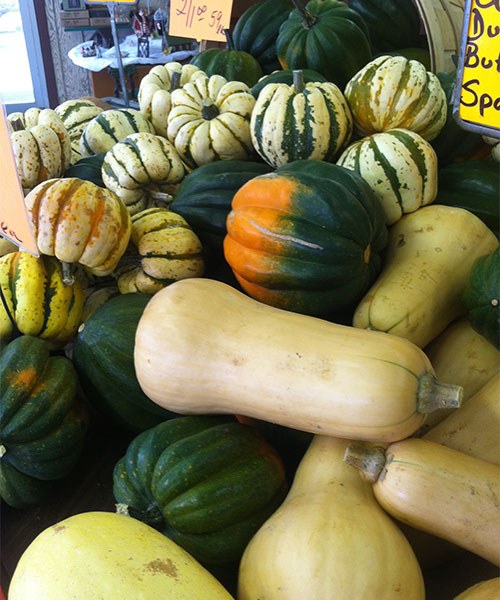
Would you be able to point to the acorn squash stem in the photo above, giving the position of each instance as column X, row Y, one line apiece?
column 152, row 516
column 229, row 40
column 370, row 461
column 433, row 395
column 308, row 19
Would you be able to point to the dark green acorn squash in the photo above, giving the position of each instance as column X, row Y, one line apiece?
column 208, row 483
column 286, row 76
column 482, row 297
column 42, row 421
column 204, row 197
column 455, row 144
column 392, row 24
column 307, row 238
column 475, row 186
column 257, row 29
column 104, row 359
column 325, row 36
column 88, row 168
column 234, row 65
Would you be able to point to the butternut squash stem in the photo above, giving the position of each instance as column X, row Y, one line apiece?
column 433, row 395
column 175, row 80
column 308, row 19
column 298, row 81
column 68, row 273
column 370, row 461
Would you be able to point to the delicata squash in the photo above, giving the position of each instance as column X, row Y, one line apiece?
column 203, row 347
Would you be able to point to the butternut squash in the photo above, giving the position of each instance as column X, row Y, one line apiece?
column 484, row 590
column 436, row 489
column 462, row 356
column 427, row 267
column 202, row 347
column 475, row 426
column 329, row 539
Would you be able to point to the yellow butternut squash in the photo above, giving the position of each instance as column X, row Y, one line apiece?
column 100, row 555
column 474, row 428
column 484, row 590
column 436, row 489
column 203, row 347
column 427, row 266
column 329, row 539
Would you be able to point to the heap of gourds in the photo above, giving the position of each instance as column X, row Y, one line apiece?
column 311, row 250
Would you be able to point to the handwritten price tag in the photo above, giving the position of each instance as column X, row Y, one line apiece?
column 200, row 19
column 480, row 93
column 15, row 224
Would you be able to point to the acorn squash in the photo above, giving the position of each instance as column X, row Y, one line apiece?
column 87, row 168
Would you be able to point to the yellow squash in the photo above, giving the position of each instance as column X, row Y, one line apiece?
column 105, row 556
column 329, row 539
column 437, row 489
column 203, row 347
column 485, row 590
column 474, row 428
column 427, row 267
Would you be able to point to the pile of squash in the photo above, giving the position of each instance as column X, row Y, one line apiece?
column 279, row 277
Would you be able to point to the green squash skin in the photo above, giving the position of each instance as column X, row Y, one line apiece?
column 103, row 356
column 234, row 65
column 332, row 218
column 42, row 421
column 473, row 185
column 323, row 46
column 482, row 297
column 393, row 24
column 257, row 29
column 204, row 197
column 207, row 482
column 88, row 168
column 454, row 143
column 286, row 76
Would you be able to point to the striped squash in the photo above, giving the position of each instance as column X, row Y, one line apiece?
column 110, row 127
column 300, row 121
column 38, row 301
column 155, row 89
column 76, row 114
column 210, row 120
column 399, row 166
column 168, row 249
column 79, row 222
column 139, row 160
column 394, row 92
column 41, row 144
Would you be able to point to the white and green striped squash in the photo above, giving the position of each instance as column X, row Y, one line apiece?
column 210, row 120
column 394, row 92
column 399, row 166
column 295, row 122
column 155, row 89
column 136, row 162
column 76, row 114
column 110, row 127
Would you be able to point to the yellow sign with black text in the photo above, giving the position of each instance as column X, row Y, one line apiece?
column 480, row 88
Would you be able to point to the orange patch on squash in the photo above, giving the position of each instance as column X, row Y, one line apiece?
column 23, row 379
column 268, row 191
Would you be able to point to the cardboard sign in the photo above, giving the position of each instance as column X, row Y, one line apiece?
column 479, row 94
column 15, row 223
column 200, row 19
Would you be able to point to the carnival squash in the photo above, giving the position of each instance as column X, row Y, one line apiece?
column 436, row 489
column 317, row 37
column 76, row 114
column 393, row 92
column 300, row 121
column 104, row 555
column 42, row 420
column 208, row 483
column 103, row 356
column 427, row 267
column 329, row 539
column 202, row 347
column 307, row 237
column 399, row 166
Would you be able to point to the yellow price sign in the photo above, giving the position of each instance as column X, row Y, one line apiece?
column 200, row 19
column 480, row 85
column 15, row 223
